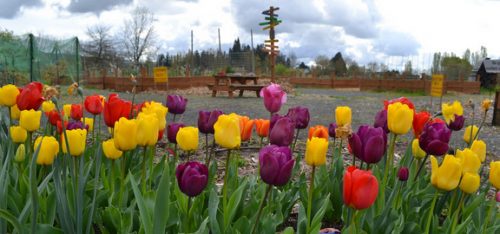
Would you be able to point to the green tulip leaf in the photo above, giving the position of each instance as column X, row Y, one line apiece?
column 161, row 210
column 233, row 203
column 141, row 203
column 213, row 207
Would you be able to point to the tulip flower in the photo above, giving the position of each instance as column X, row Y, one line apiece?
column 451, row 110
column 282, row 132
column 30, row 120
column 15, row 113
column 399, row 118
column 434, row 139
column 76, row 141
column 276, row 164
column 93, row 104
column 457, row 124
column 360, row 188
column 446, row 176
column 227, row 132
column 495, row 174
column 18, row 134
column 300, row 116
column 368, row 144
column 76, row 125
column 30, row 97
column 172, row 130
column 402, row 100
column 76, row 111
column 262, row 127
column 316, row 149
column 116, row 108
column 331, row 130
column 49, row 148
column 470, row 183
column 403, row 173
column 110, row 151
column 485, row 105
column 159, row 109
column 187, row 138
column 498, row 196
column 470, row 133
column 318, row 131
column 67, row 111
column 176, row 104
column 417, row 152
column 60, row 126
column 20, row 154
column 479, row 147
column 8, row 95
column 470, row 161
column 343, row 115
column 48, row 106
column 381, row 120
column 147, row 129
column 192, row 178
column 125, row 134
column 246, row 126
column 89, row 123
column 207, row 119
column 419, row 121
column 274, row 97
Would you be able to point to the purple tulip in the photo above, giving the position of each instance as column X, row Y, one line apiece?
column 192, row 178
column 76, row 125
column 282, row 132
column 274, row 118
column 381, row 120
column 274, row 97
column 300, row 116
column 331, row 130
column 498, row 196
column 176, row 104
column 434, row 138
column 457, row 124
column 403, row 173
column 207, row 119
column 276, row 164
column 172, row 130
column 368, row 144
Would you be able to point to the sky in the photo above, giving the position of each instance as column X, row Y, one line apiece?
column 388, row 31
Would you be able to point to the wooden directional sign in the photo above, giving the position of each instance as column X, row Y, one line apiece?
column 437, row 85
column 160, row 74
column 269, row 41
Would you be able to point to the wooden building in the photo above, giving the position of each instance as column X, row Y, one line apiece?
column 489, row 73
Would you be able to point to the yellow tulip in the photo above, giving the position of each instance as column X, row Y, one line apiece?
column 447, row 176
column 479, row 147
column 77, row 139
column 495, row 174
column 89, row 122
column 147, row 130
column 470, row 161
column 110, row 151
column 187, row 138
column 125, row 134
column 30, row 120
column 399, row 118
column 15, row 113
column 343, row 115
column 48, row 106
column 18, row 134
column 467, row 133
column 227, row 131
column 485, row 105
column 159, row 110
column 48, row 150
column 67, row 110
column 8, row 95
column 418, row 152
column 20, row 154
column 316, row 151
column 470, row 183
column 450, row 110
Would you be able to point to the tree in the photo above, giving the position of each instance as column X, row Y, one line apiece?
column 100, row 46
column 408, row 67
column 338, row 64
column 138, row 35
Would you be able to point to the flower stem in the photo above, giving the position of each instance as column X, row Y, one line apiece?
column 431, row 212
column 309, row 200
column 188, row 213
column 457, row 213
column 295, row 140
column 390, row 159
column 207, row 157
column 224, row 189
column 488, row 214
column 420, row 167
column 112, row 178
column 353, row 221
column 143, row 177
column 261, row 206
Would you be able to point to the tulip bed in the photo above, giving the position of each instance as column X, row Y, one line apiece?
column 60, row 175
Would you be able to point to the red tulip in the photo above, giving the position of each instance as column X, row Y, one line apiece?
column 76, row 111
column 53, row 117
column 93, row 104
column 59, row 126
column 31, row 97
column 360, row 188
column 419, row 120
column 115, row 108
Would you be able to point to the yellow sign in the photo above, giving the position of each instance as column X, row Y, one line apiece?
column 437, row 85
column 160, row 74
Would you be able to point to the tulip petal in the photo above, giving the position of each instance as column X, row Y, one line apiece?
column 437, row 148
column 365, row 189
column 269, row 168
column 285, row 173
column 374, row 149
column 356, row 146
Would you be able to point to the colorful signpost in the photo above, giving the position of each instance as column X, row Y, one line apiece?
column 270, row 45
column 160, row 74
column 437, row 85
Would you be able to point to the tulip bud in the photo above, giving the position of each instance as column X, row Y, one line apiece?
column 30, row 120
column 125, row 134
column 343, row 115
column 495, row 174
column 368, row 144
column 176, row 104
column 468, row 136
column 316, row 149
column 360, row 188
column 187, row 138
column 403, row 173
column 206, row 121
column 20, row 154
column 76, row 141
column 300, row 116
column 262, row 127
column 274, row 97
column 470, row 183
column 192, row 178
column 276, row 164
column 381, row 120
column 48, row 149
column 282, row 132
column 8, row 95
column 18, row 134
column 331, row 130
column 479, row 147
column 399, row 118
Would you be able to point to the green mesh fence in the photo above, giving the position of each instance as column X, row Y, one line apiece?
column 30, row 58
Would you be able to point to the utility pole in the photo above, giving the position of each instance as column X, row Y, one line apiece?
column 253, row 52
column 220, row 47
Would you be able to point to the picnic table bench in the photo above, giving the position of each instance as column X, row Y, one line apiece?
column 233, row 82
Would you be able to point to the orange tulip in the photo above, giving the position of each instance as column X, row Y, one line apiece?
column 246, row 126
column 318, row 131
column 262, row 127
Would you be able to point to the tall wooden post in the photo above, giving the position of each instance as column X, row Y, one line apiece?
column 270, row 46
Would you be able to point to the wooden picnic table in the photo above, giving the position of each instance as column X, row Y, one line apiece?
column 232, row 82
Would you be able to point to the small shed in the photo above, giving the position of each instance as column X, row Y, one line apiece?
column 488, row 73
